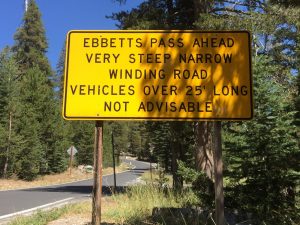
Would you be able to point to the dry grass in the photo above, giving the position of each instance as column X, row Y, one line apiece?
column 131, row 208
column 72, row 214
column 72, row 220
column 79, row 214
column 83, row 216
column 156, row 178
column 65, row 177
column 136, row 205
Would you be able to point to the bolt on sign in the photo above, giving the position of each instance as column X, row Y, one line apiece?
column 159, row 75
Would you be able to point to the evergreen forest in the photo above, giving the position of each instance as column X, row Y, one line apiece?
column 261, row 156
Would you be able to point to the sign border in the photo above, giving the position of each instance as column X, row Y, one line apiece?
column 152, row 118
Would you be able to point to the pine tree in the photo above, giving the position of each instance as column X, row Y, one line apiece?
column 77, row 133
column 119, row 130
column 30, row 52
column 159, row 140
column 83, row 140
column 135, row 145
column 31, row 44
column 59, row 77
column 9, row 92
column 257, row 152
column 263, row 154
column 33, row 95
column 60, row 133
column 297, row 105
column 291, row 3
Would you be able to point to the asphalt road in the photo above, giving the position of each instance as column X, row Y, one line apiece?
column 25, row 200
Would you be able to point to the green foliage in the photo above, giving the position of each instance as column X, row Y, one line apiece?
column 58, row 79
column 107, row 146
column 40, row 218
column 136, row 141
column 131, row 211
column 37, row 122
column 158, row 14
column 33, row 96
column 297, row 105
column 292, row 3
column 58, row 144
column 120, row 131
column 262, row 154
column 30, row 121
column 9, row 103
column 45, row 217
column 83, row 134
column 143, row 17
column 202, row 186
column 160, row 143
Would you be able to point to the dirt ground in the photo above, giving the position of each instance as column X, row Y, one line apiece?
column 77, row 174
column 72, row 220
column 13, row 183
column 85, row 217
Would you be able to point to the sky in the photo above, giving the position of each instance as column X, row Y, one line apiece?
column 60, row 16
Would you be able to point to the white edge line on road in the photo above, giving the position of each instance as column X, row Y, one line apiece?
column 52, row 203
column 35, row 208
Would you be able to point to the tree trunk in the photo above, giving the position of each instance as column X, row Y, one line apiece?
column 176, row 154
column 8, row 146
column 202, row 130
column 201, row 6
column 203, row 151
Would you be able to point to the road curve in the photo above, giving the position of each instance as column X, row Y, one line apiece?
column 14, row 202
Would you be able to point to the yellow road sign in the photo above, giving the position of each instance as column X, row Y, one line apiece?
column 159, row 75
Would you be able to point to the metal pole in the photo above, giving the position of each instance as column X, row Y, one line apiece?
column 151, row 153
column 114, row 162
column 218, row 169
column 26, row 5
column 151, row 170
column 71, row 160
column 97, row 188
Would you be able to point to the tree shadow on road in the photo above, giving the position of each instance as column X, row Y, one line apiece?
column 77, row 189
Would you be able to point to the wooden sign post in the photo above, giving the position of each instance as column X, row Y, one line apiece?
column 97, row 188
column 218, row 172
